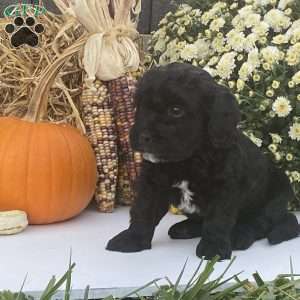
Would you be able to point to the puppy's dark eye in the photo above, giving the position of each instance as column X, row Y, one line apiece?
column 176, row 112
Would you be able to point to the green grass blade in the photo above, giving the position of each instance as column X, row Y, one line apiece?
column 169, row 281
column 49, row 287
column 189, row 284
column 287, row 294
column 258, row 279
column 292, row 269
column 141, row 288
column 86, row 293
column 288, row 275
column 226, row 292
column 69, row 280
column 58, row 284
column 226, row 270
column 226, row 280
column 180, row 277
column 109, row 298
column 21, row 289
column 202, row 278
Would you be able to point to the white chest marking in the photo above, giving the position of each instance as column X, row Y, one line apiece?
column 186, row 198
column 150, row 157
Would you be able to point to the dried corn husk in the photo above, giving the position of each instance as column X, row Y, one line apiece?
column 110, row 51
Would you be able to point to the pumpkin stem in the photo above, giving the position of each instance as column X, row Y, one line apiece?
column 37, row 108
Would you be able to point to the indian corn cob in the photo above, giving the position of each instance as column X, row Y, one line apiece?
column 121, row 92
column 100, row 124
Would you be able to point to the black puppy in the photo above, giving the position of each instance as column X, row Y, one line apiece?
column 196, row 158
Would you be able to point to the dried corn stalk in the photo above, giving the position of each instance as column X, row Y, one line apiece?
column 99, row 119
column 20, row 69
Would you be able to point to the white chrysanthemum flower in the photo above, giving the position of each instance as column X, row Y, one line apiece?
column 280, row 39
column 189, row 52
column 164, row 59
column 293, row 55
column 213, row 61
column 282, row 107
column 276, row 138
column 197, row 12
column 172, row 53
column 271, row 54
column 295, row 27
column 203, row 47
column 284, row 3
column 181, row 30
column 245, row 71
column 296, row 34
column 211, row 71
column 252, row 20
column 236, row 40
column 162, row 33
column 160, row 45
column 277, row 19
column 261, row 29
column 294, row 132
column 262, row 2
column 246, row 11
column 240, row 84
column 296, row 78
column 253, row 58
column 206, row 17
column 238, row 23
column 250, row 42
column 218, row 7
column 218, row 44
column 216, row 24
column 296, row 176
column 257, row 141
column 226, row 65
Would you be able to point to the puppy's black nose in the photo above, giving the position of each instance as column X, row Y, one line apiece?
column 145, row 138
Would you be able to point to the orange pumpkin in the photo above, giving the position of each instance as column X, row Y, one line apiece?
column 47, row 170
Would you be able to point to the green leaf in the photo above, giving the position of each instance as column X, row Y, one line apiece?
column 179, row 277
column 69, row 280
column 21, row 289
column 109, row 298
column 86, row 293
column 140, row 289
column 49, row 287
column 258, row 279
column 202, row 278
column 188, row 285
column 55, row 286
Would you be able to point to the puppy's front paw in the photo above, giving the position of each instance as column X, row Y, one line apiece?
column 127, row 241
column 211, row 249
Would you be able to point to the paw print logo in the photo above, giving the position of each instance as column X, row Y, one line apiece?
column 24, row 31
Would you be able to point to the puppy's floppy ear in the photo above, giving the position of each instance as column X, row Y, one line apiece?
column 224, row 117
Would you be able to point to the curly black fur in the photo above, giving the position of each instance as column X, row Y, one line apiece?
column 186, row 126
